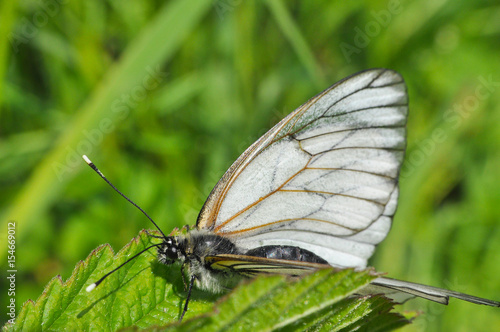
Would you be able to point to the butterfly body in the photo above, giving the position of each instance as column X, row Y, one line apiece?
column 199, row 251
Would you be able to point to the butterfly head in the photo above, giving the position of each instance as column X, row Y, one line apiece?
column 170, row 251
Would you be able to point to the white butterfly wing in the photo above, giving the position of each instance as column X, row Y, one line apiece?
column 324, row 178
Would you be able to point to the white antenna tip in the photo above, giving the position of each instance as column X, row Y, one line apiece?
column 87, row 160
column 91, row 287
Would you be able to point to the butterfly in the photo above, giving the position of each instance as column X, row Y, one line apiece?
column 317, row 190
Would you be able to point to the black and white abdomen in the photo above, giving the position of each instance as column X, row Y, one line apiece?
column 286, row 252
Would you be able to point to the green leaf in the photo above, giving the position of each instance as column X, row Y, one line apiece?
column 317, row 302
column 142, row 293
column 146, row 294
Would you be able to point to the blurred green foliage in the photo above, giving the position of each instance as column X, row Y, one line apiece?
column 164, row 96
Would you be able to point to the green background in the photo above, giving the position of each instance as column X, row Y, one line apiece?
column 164, row 96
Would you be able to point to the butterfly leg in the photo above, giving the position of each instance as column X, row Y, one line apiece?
column 191, row 283
column 184, row 276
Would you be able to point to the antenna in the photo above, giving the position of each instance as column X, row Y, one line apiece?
column 95, row 284
column 94, row 167
column 91, row 164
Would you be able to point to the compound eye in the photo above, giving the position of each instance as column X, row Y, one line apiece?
column 171, row 253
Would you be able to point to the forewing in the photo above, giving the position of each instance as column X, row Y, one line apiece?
column 324, row 178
